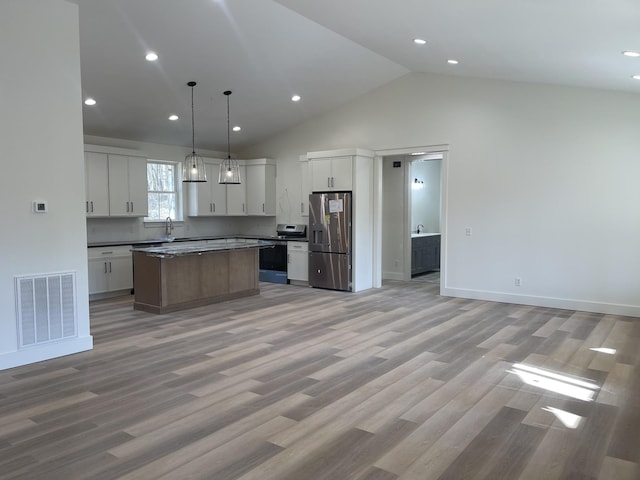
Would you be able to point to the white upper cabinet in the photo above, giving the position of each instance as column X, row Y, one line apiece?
column 305, row 189
column 256, row 195
column 127, row 186
column 237, row 195
column 261, row 187
column 209, row 198
column 331, row 174
column 96, row 184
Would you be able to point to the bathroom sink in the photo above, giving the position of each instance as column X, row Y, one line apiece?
column 416, row 235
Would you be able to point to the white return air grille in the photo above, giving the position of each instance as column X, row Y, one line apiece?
column 46, row 308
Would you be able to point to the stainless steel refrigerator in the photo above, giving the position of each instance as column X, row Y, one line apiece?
column 330, row 240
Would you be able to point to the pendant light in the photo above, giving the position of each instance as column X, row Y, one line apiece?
column 193, row 167
column 229, row 169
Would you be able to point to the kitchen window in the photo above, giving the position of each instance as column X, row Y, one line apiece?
column 162, row 191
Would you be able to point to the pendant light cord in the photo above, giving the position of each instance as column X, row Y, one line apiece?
column 193, row 126
column 228, row 93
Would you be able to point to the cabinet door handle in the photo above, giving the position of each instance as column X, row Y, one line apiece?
column 105, row 268
column 301, row 207
column 213, row 207
column 328, row 181
column 87, row 207
column 332, row 184
column 243, row 208
column 131, row 207
column 109, row 267
column 288, row 258
column 91, row 206
column 263, row 208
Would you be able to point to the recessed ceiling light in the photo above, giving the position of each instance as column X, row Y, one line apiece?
column 630, row 53
column 452, row 61
column 418, row 153
column 90, row 101
column 173, row 118
column 236, row 128
column 151, row 56
column 636, row 77
column 419, row 41
column 296, row 98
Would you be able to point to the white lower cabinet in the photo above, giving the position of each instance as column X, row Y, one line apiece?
column 110, row 269
column 297, row 261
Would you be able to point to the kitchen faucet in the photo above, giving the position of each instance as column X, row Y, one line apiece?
column 418, row 227
column 168, row 226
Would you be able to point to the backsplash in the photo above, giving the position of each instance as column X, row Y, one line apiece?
column 134, row 229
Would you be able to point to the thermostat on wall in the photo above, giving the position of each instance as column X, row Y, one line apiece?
column 40, row 206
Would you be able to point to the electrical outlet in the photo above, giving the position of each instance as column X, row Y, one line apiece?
column 518, row 282
column 468, row 231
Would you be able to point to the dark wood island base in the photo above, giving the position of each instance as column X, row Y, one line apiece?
column 172, row 283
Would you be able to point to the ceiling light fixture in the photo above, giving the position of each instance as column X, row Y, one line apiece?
column 229, row 169
column 419, row 41
column 173, row 118
column 193, row 167
column 631, row 53
column 296, row 98
column 236, row 128
column 90, row 101
column 636, row 77
column 453, row 62
column 151, row 56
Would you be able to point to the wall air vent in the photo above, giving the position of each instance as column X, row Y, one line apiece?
column 45, row 308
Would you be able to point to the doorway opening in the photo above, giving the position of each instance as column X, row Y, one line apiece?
column 425, row 207
column 403, row 211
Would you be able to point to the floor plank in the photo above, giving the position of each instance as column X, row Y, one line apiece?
column 395, row 383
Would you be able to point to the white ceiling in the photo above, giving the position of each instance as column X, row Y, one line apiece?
column 328, row 52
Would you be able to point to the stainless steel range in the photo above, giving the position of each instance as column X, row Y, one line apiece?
column 273, row 261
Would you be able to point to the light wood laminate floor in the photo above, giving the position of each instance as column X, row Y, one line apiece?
column 306, row 384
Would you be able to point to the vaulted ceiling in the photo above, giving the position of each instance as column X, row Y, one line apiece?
column 328, row 52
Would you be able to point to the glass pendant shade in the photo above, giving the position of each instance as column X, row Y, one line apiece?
column 229, row 172
column 193, row 169
column 229, row 169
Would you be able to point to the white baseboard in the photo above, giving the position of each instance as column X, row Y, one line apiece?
column 47, row 351
column 551, row 302
column 392, row 276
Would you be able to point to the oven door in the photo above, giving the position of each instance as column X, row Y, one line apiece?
column 273, row 263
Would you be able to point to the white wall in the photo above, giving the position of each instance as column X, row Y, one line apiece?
column 545, row 176
column 425, row 197
column 42, row 158
column 393, row 194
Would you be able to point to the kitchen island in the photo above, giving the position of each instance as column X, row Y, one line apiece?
column 179, row 276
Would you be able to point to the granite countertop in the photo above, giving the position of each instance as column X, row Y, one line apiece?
column 177, row 249
column 164, row 240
